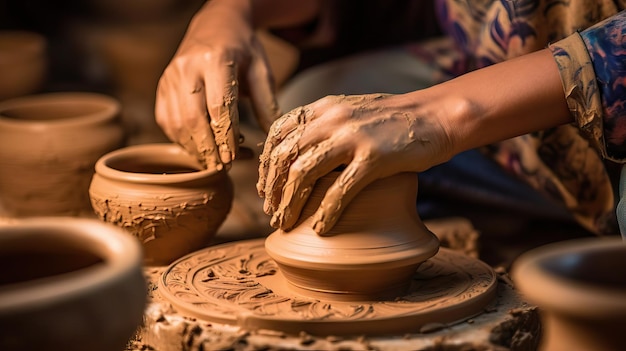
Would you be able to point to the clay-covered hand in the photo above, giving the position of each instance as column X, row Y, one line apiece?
column 197, row 95
column 368, row 137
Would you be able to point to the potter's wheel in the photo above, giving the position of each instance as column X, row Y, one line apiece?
column 238, row 283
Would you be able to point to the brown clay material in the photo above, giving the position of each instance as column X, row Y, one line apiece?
column 23, row 63
column 69, row 284
column 162, row 196
column 239, row 284
column 371, row 252
column 49, row 144
column 579, row 287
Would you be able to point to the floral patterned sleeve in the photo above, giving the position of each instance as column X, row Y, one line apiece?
column 593, row 72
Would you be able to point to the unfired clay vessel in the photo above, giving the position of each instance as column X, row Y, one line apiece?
column 371, row 253
column 23, row 63
column 49, row 144
column 69, row 284
column 580, row 289
column 161, row 194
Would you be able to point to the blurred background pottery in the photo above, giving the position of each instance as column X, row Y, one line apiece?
column 579, row 287
column 161, row 195
column 23, row 63
column 49, row 144
column 372, row 251
column 69, row 284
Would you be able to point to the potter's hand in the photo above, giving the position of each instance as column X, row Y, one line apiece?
column 373, row 136
column 196, row 103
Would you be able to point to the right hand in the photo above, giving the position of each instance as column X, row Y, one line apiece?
column 369, row 137
column 197, row 95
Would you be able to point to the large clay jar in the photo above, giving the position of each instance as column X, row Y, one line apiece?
column 69, row 284
column 161, row 195
column 579, row 287
column 372, row 251
column 23, row 63
column 49, row 144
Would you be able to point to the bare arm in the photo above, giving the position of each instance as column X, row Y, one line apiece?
column 377, row 135
column 512, row 98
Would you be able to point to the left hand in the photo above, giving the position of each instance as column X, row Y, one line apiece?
column 373, row 136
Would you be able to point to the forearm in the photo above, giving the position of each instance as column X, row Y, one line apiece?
column 501, row 101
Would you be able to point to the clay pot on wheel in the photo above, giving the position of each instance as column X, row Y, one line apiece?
column 23, row 63
column 161, row 195
column 49, row 144
column 371, row 252
column 579, row 287
column 69, row 284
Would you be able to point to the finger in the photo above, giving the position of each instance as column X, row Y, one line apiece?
column 222, row 94
column 182, row 115
column 165, row 107
column 316, row 162
column 279, row 130
column 350, row 182
column 279, row 162
column 262, row 89
column 196, row 132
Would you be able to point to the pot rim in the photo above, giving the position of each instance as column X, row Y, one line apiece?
column 555, row 292
column 104, row 169
column 109, row 109
column 121, row 255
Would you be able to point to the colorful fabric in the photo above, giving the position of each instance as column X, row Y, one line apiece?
column 569, row 164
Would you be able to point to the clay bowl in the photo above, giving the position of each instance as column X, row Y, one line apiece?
column 68, row 284
column 23, row 63
column 580, row 289
column 161, row 195
column 49, row 144
column 372, row 251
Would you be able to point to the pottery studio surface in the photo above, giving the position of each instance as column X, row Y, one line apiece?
column 255, row 293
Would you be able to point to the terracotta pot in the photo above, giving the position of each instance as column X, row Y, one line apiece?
column 579, row 287
column 23, row 63
column 161, row 194
column 371, row 253
column 69, row 284
column 49, row 144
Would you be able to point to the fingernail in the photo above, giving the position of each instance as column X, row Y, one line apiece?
column 267, row 208
column 319, row 227
column 318, row 222
column 276, row 220
column 225, row 155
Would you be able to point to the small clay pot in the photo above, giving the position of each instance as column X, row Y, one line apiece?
column 49, row 144
column 23, row 63
column 372, row 251
column 69, row 284
column 161, row 195
column 579, row 287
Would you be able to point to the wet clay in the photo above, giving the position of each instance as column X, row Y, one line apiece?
column 579, row 287
column 69, row 284
column 239, row 284
column 370, row 253
column 507, row 323
column 161, row 195
column 49, row 144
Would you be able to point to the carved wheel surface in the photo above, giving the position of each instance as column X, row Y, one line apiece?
column 238, row 283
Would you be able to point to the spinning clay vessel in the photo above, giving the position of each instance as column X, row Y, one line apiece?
column 371, row 252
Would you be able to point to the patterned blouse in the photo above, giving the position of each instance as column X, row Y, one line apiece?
column 572, row 164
